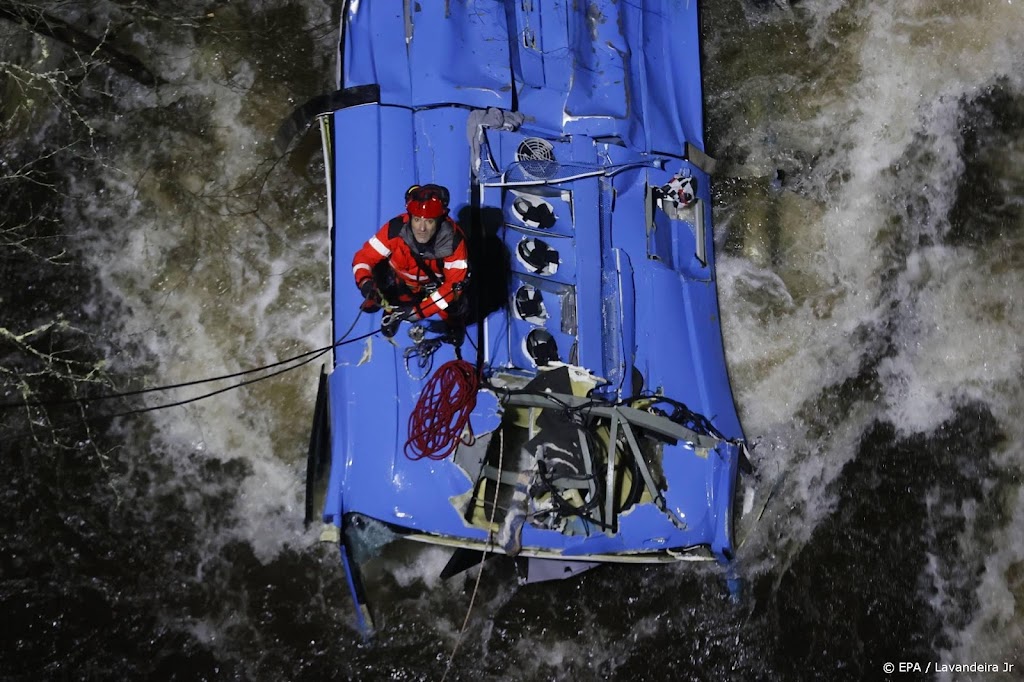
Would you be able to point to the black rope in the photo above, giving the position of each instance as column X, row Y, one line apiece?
column 312, row 355
column 240, row 384
column 681, row 414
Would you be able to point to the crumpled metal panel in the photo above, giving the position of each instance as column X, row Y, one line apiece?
column 599, row 68
column 457, row 50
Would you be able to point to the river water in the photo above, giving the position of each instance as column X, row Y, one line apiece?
column 870, row 226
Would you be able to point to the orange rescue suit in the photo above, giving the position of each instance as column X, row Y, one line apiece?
column 445, row 255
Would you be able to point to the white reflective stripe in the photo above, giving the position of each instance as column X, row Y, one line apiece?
column 379, row 247
column 456, row 265
column 361, row 266
column 411, row 277
column 439, row 300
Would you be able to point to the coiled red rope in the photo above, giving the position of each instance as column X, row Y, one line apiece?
column 442, row 412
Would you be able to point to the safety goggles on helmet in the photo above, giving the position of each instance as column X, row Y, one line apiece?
column 427, row 201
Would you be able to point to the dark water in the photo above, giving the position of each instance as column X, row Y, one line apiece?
column 869, row 217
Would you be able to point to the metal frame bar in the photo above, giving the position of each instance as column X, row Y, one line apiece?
column 611, row 521
column 645, row 420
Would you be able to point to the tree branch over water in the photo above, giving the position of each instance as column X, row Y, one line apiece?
column 46, row 346
column 47, row 25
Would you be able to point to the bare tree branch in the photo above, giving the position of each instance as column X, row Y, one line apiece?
column 53, row 27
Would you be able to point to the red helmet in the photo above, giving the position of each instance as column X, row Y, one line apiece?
column 428, row 201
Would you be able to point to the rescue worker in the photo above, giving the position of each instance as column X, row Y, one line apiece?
column 416, row 262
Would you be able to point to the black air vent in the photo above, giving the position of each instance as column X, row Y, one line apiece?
column 530, row 304
column 541, row 347
column 538, row 256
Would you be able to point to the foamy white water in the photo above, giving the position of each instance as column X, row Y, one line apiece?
column 950, row 315
column 212, row 253
column 845, row 300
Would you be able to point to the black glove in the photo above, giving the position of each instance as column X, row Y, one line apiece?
column 371, row 296
column 369, row 289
